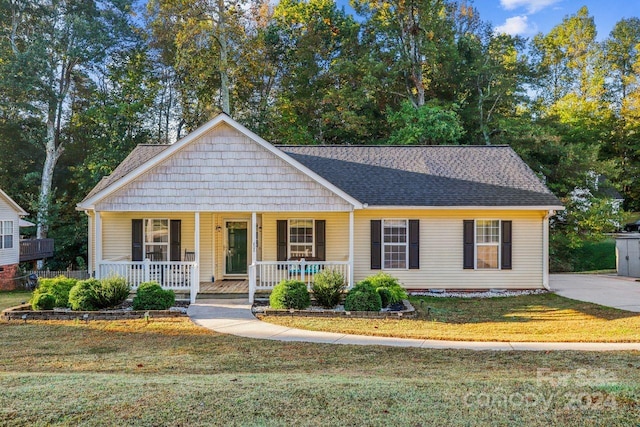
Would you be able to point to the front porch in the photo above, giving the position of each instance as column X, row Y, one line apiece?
column 216, row 253
column 181, row 277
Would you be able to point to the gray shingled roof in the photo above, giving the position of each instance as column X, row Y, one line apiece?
column 140, row 155
column 427, row 175
column 405, row 175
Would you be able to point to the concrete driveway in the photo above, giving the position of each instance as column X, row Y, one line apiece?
column 609, row 290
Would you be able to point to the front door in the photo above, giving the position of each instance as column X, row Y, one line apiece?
column 236, row 262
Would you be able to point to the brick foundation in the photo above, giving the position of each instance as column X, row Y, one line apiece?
column 7, row 275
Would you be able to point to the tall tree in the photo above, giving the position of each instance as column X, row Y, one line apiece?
column 54, row 44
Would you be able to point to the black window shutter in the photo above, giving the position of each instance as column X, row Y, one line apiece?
column 376, row 244
column 282, row 239
column 175, row 249
column 469, row 246
column 321, row 242
column 136, row 240
column 506, row 261
column 414, row 244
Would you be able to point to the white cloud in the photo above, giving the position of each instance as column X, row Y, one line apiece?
column 516, row 25
column 532, row 6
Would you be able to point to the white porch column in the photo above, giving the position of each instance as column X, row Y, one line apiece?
column 545, row 250
column 98, row 243
column 254, row 256
column 351, row 247
column 195, row 274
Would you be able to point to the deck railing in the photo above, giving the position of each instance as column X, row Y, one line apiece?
column 176, row 275
column 33, row 249
column 264, row 275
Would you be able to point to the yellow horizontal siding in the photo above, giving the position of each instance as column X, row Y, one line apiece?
column 337, row 233
column 441, row 250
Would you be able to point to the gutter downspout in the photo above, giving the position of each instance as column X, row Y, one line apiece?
column 545, row 250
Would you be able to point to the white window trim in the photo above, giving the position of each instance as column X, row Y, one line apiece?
column 2, row 224
column 313, row 235
column 406, row 244
column 476, row 244
column 144, row 237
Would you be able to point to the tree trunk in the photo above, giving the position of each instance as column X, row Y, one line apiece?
column 224, row 62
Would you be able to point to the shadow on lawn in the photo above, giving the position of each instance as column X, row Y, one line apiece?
column 518, row 309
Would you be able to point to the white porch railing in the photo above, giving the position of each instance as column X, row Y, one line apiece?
column 265, row 275
column 176, row 275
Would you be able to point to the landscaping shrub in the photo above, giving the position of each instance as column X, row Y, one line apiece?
column 363, row 297
column 327, row 287
column 391, row 284
column 83, row 295
column 59, row 287
column 290, row 294
column 385, row 296
column 43, row 302
column 112, row 292
column 150, row 296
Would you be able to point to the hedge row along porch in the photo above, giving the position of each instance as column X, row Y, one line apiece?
column 222, row 205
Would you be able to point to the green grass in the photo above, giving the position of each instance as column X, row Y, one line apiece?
column 545, row 317
column 170, row 372
column 13, row 298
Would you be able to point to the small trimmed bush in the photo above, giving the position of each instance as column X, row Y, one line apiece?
column 43, row 302
column 83, row 295
column 363, row 297
column 112, row 291
column 151, row 296
column 290, row 294
column 327, row 287
column 59, row 287
column 391, row 284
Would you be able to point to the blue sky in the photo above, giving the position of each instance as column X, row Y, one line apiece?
column 529, row 17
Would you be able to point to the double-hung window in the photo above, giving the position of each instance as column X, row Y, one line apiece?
column 394, row 243
column 156, row 239
column 487, row 244
column 301, row 238
column 6, row 234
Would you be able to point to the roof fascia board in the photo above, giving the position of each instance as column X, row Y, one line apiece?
column 90, row 204
column 466, row 208
column 14, row 205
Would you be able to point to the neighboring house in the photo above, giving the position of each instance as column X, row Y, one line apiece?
column 10, row 213
column 222, row 203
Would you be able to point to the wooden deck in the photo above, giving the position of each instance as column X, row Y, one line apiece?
column 225, row 287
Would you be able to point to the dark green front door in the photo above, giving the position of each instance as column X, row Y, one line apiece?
column 237, row 247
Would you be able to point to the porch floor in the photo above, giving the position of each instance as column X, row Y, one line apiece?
column 225, row 287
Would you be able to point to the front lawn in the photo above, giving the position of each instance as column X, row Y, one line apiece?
column 170, row 372
column 545, row 317
column 13, row 298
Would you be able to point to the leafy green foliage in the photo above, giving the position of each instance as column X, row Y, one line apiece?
column 290, row 294
column 83, row 295
column 424, row 125
column 59, row 287
column 43, row 301
column 111, row 292
column 396, row 292
column 327, row 287
column 151, row 296
column 363, row 297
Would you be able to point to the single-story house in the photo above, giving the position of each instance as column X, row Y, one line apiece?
column 224, row 204
column 10, row 214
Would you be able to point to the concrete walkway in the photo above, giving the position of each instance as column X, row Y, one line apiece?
column 234, row 317
column 612, row 291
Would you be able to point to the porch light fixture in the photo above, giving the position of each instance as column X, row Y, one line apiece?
column 218, row 228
